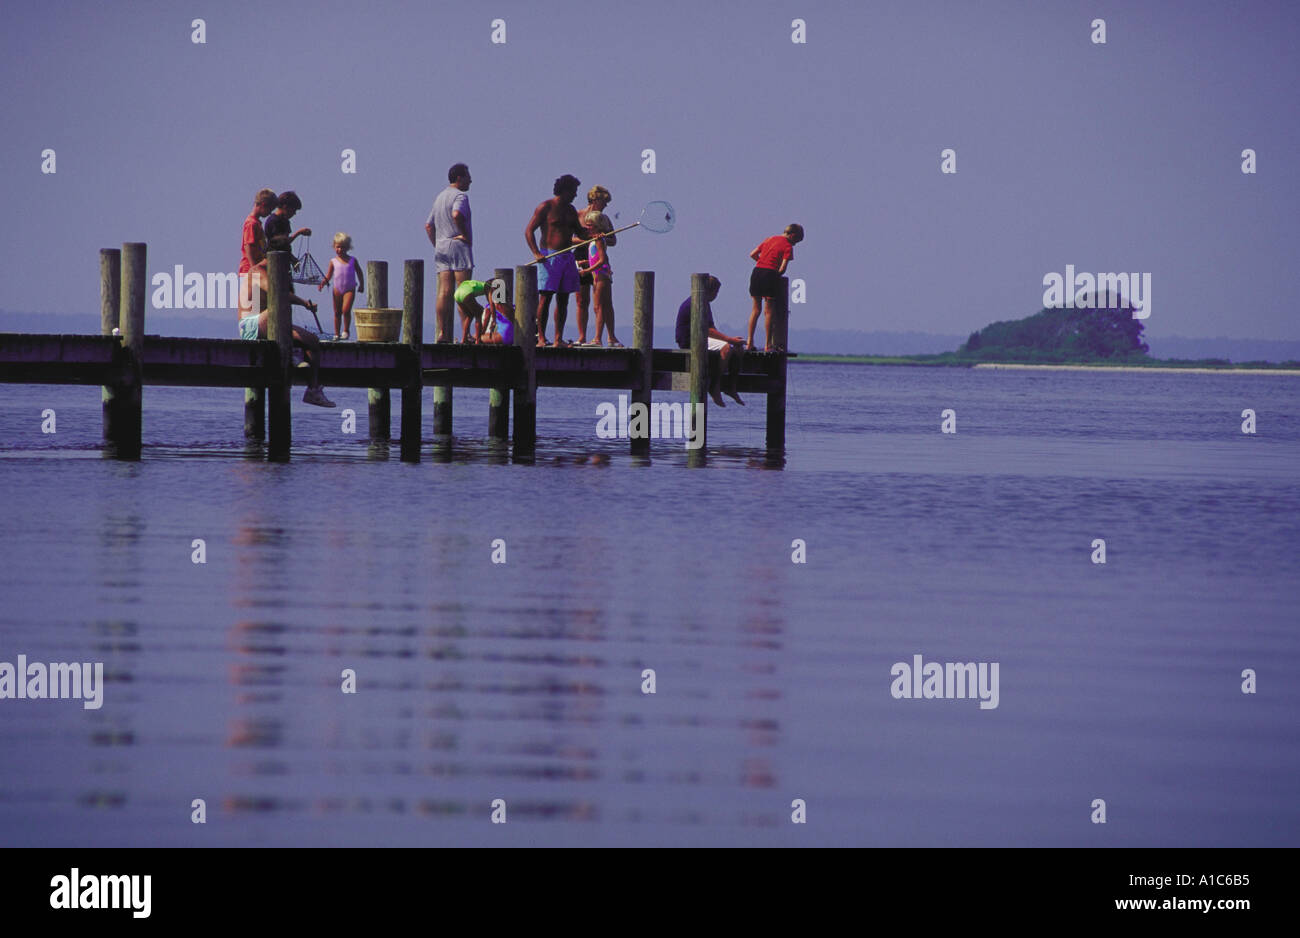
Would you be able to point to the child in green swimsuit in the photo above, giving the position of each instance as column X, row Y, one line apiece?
column 470, row 311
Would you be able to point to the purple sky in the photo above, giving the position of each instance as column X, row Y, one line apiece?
column 1115, row 157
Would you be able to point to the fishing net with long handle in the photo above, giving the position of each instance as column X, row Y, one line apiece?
column 657, row 217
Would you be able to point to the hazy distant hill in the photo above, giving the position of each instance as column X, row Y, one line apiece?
column 157, row 322
column 826, row 341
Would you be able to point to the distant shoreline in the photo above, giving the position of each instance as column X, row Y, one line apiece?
column 1233, row 369
column 907, row 361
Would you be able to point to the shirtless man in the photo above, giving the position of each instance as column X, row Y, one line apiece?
column 558, row 220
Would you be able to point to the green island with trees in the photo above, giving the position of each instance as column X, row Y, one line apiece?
column 1079, row 335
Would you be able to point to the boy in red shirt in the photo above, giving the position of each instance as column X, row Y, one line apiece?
column 252, row 252
column 771, row 257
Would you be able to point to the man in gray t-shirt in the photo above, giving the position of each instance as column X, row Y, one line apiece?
column 452, row 238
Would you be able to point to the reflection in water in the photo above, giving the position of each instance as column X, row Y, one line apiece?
column 117, row 644
column 762, row 626
column 524, row 680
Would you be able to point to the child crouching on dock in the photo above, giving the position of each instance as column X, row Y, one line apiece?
column 252, row 326
column 495, row 323
column 348, row 281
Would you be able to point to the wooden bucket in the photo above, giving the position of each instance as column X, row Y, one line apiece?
column 378, row 325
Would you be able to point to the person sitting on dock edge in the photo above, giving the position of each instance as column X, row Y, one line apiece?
column 729, row 347
column 253, row 325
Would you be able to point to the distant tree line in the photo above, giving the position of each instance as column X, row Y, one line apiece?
column 1061, row 335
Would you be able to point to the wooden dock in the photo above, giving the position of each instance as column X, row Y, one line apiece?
column 124, row 364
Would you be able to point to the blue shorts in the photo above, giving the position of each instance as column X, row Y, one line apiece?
column 248, row 327
column 558, row 275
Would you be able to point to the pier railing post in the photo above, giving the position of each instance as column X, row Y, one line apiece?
column 380, row 399
column 525, row 435
column 255, row 398
column 110, row 295
column 279, row 329
column 254, row 413
column 125, row 410
column 413, row 336
column 499, row 397
column 442, row 401
column 699, row 357
column 442, row 393
column 643, row 335
column 777, row 370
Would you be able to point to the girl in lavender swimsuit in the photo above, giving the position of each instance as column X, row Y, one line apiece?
column 348, row 280
column 602, row 274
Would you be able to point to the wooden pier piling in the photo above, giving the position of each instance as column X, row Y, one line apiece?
column 699, row 357
column 525, row 436
column 380, row 399
column 643, row 329
column 110, row 296
column 442, row 403
column 413, row 337
column 442, row 393
column 499, row 396
column 777, row 371
column 254, row 397
column 279, row 329
column 255, row 413
column 124, row 411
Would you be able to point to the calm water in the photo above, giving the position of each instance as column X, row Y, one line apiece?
column 522, row 681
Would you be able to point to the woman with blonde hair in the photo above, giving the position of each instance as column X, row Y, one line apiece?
column 596, row 266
